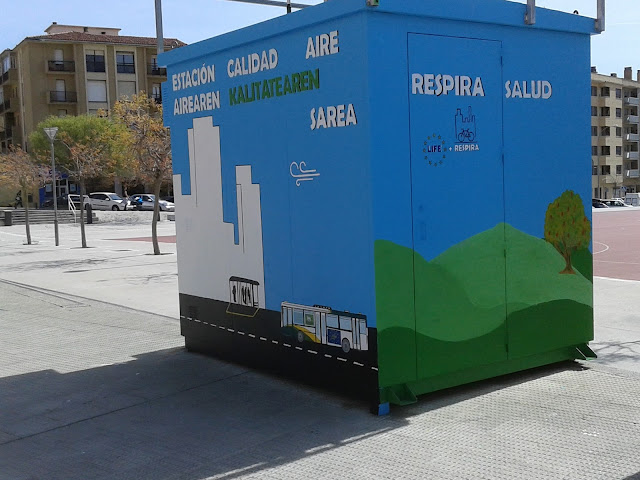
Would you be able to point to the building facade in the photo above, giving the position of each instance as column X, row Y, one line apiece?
column 73, row 70
column 614, row 134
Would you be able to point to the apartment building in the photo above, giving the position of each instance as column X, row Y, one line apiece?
column 72, row 70
column 614, row 133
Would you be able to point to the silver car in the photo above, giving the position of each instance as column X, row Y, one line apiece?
column 107, row 201
column 145, row 201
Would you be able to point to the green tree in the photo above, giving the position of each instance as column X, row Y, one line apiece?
column 20, row 170
column 92, row 147
column 566, row 227
column 151, row 142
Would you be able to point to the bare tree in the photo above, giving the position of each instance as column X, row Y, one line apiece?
column 19, row 169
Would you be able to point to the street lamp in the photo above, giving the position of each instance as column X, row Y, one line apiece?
column 51, row 133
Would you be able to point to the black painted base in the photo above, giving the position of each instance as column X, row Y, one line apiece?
column 258, row 341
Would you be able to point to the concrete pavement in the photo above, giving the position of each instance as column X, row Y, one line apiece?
column 95, row 384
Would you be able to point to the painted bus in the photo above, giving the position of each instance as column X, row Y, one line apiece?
column 320, row 324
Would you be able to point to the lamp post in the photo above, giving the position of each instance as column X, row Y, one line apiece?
column 51, row 133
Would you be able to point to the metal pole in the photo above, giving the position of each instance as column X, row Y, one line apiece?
column 159, row 34
column 55, row 194
column 600, row 19
column 530, row 15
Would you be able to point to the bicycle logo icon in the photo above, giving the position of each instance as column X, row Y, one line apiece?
column 465, row 126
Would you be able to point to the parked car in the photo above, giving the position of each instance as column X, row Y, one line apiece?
column 597, row 203
column 169, row 199
column 145, row 201
column 107, row 201
column 614, row 202
column 63, row 201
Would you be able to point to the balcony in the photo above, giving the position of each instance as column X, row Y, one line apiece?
column 632, row 137
column 632, row 173
column 155, row 70
column 632, row 155
column 6, row 105
column 58, row 66
column 6, row 133
column 632, row 119
column 63, row 97
column 10, row 76
column 632, row 101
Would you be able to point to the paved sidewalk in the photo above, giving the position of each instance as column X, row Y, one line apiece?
column 93, row 389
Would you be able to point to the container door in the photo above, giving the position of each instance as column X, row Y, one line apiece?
column 455, row 102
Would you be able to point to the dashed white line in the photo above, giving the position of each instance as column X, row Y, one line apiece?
column 220, row 326
column 231, row 329
column 274, row 341
column 287, row 345
column 374, row 368
column 198, row 321
column 327, row 355
column 298, row 348
column 263, row 339
column 252, row 335
column 341, row 359
column 240, row 333
column 312, row 351
column 358, row 364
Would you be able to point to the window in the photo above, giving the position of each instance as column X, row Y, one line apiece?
column 605, row 169
column 95, row 60
column 297, row 317
column 124, row 62
column 594, row 111
column 62, row 113
column 594, row 150
column 126, row 89
column 605, row 131
column 618, row 93
column 332, row 321
column 618, row 169
column 618, row 131
column 618, row 113
column 605, row 111
column 618, row 150
column 156, row 92
column 345, row 323
column 594, row 170
column 604, row 92
column 594, row 91
column 605, row 150
column 97, row 91
column 594, row 131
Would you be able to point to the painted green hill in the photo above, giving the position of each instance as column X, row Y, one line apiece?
column 532, row 270
column 461, row 293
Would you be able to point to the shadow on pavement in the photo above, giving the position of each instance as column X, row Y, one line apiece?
column 168, row 414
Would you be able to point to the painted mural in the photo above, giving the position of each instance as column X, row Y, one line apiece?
column 365, row 205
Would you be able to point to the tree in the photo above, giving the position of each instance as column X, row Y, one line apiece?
column 566, row 227
column 93, row 146
column 19, row 169
column 151, row 143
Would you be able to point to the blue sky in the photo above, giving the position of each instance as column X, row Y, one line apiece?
column 195, row 20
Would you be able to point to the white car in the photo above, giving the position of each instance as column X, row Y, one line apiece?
column 107, row 201
column 145, row 201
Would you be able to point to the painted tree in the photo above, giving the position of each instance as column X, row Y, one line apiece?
column 566, row 227
column 20, row 170
column 89, row 147
column 151, row 143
